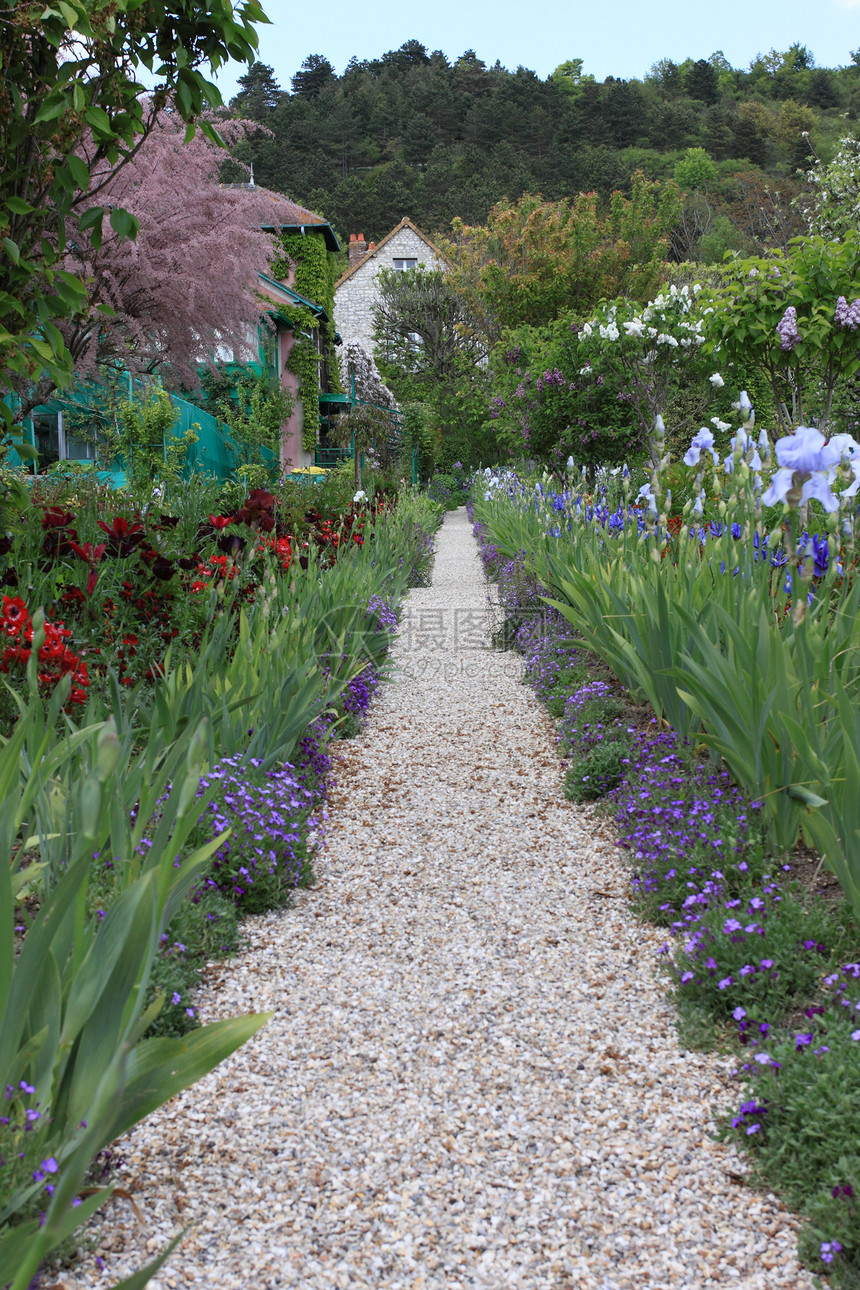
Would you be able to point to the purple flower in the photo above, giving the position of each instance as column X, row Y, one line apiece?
column 846, row 315
column 786, row 328
column 805, row 459
column 702, row 441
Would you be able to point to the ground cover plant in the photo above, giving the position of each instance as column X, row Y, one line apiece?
column 761, row 948
column 155, row 793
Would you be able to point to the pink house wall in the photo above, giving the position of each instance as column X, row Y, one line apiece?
column 291, row 430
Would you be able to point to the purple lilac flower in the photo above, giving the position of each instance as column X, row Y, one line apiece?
column 846, row 315
column 787, row 329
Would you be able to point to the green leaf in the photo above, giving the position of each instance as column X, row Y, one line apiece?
column 12, row 250
column 18, row 206
column 802, row 794
column 160, row 1068
column 69, row 14
column 79, row 171
column 14, row 1245
column 91, row 217
column 54, row 106
column 92, row 220
column 22, row 877
column 124, row 224
column 25, row 450
column 99, row 120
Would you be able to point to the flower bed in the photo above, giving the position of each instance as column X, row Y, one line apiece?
column 758, row 962
column 184, row 786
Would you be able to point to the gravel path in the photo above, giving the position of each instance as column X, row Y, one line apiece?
column 472, row 1078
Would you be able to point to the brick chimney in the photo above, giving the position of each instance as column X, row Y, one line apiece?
column 357, row 249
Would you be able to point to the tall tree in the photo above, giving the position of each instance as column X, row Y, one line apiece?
column 410, row 54
column 183, row 292
column 72, row 114
column 315, row 72
column 259, row 95
column 701, row 81
column 422, row 326
column 537, row 260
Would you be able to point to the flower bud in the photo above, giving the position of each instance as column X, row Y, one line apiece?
column 108, row 750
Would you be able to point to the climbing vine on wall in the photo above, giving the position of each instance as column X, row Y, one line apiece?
column 314, row 279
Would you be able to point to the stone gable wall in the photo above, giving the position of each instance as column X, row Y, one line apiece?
column 355, row 298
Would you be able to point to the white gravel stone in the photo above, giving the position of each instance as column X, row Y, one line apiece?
column 472, row 1078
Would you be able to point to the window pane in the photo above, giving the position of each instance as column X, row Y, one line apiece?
column 77, row 451
column 47, row 436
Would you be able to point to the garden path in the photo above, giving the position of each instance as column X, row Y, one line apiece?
column 472, row 1077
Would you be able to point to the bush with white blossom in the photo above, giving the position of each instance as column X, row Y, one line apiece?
column 644, row 352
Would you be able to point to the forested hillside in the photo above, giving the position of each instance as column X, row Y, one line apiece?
column 411, row 133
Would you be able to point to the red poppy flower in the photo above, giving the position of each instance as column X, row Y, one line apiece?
column 14, row 616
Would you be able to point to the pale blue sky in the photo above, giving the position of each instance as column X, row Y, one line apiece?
column 613, row 37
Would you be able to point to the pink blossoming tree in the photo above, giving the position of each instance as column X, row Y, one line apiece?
column 183, row 293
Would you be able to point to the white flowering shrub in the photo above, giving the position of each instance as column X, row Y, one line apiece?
column 355, row 361
column 834, row 205
column 644, row 351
